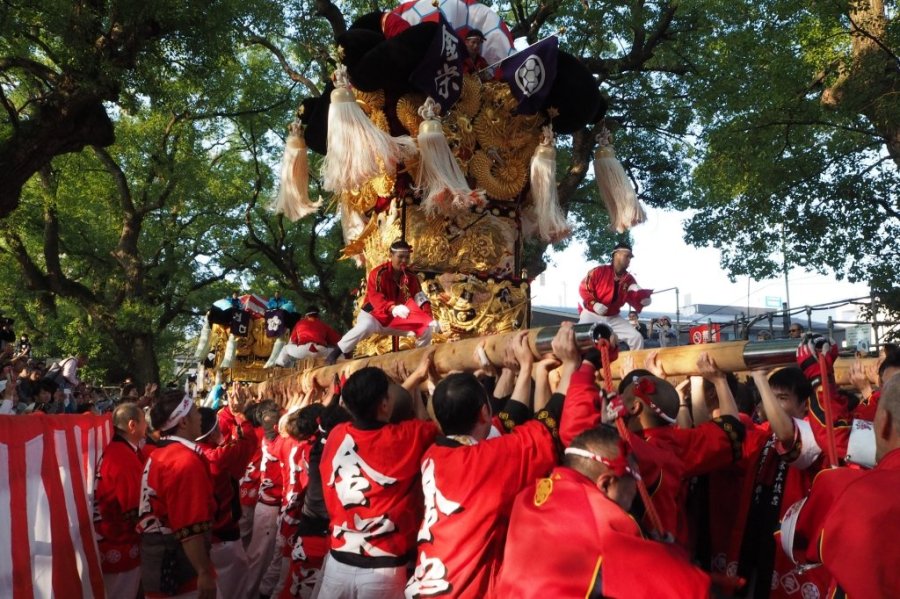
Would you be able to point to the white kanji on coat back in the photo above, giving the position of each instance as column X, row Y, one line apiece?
column 347, row 468
column 435, row 502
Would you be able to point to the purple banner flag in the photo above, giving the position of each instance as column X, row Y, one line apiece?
column 530, row 74
column 439, row 75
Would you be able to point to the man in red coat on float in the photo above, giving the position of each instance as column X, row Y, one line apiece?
column 395, row 305
column 606, row 289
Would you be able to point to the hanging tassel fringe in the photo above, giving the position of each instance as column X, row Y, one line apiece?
column 439, row 178
column 293, row 193
column 276, row 351
column 219, row 377
column 549, row 218
column 357, row 149
column 203, row 342
column 618, row 194
column 353, row 224
column 230, row 351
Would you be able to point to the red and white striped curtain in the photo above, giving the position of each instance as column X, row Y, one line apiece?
column 47, row 464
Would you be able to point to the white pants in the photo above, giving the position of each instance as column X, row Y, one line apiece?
column 291, row 353
column 366, row 325
column 342, row 581
column 122, row 585
column 621, row 327
column 276, row 573
column 262, row 545
column 245, row 524
column 230, row 561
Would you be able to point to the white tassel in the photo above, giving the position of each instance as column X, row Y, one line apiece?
column 293, row 193
column 352, row 225
column 551, row 222
column 230, row 351
column 203, row 342
column 618, row 194
column 276, row 351
column 439, row 177
column 357, row 149
column 220, row 376
column 201, row 378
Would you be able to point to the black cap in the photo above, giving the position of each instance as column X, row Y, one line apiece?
column 311, row 311
column 475, row 33
column 401, row 246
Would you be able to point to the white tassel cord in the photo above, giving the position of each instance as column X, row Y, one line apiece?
column 357, row 149
column 203, row 342
column 550, row 221
column 293, row 193
column 276, row 351
column 615, row 187
column 439, row 178
column 230, row 351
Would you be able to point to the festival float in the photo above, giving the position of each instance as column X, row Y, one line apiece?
column 460, row 163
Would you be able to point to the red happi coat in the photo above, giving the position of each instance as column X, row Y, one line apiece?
column 849, row 523
column 700, row 450
column 865, row 410
column 313, row 330
column 776, row 485
column 271, row 489
column 294, row 459
column 177, row 494
column 729, row 492
column 370, row 482
column 227, row 422
column 226, row 463
column 568, row 540
column 383, row 293
column 661, row 471
column 249, row 482
column 600, row 286
column 469, row 490
column 117, row 492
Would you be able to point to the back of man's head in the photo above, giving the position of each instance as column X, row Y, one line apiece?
column 125, row 413
column 363, row 391
column 456, row 403
column 602, row 441
column 268, row 420
column 659, row 397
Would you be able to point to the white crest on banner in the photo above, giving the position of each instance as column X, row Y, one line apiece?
column 531, row 75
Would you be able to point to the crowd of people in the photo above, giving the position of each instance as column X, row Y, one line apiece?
column 523, row 479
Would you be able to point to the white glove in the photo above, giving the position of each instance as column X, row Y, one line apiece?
column 599, row 309
column 400, row 311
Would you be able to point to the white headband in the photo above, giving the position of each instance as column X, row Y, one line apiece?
column 178, row 413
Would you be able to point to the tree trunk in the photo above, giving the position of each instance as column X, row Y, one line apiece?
column 139, row 356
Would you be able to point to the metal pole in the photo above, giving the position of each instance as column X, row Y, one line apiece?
column 875, row 322
column 785, row 319
column 677, row 318
column 809, row 319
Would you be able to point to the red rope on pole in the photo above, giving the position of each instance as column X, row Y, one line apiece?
column 829, row 418
column 655, row 521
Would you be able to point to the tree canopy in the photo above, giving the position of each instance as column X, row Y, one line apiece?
column 138, row 142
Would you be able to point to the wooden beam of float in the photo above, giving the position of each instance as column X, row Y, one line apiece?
column 732, row 356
